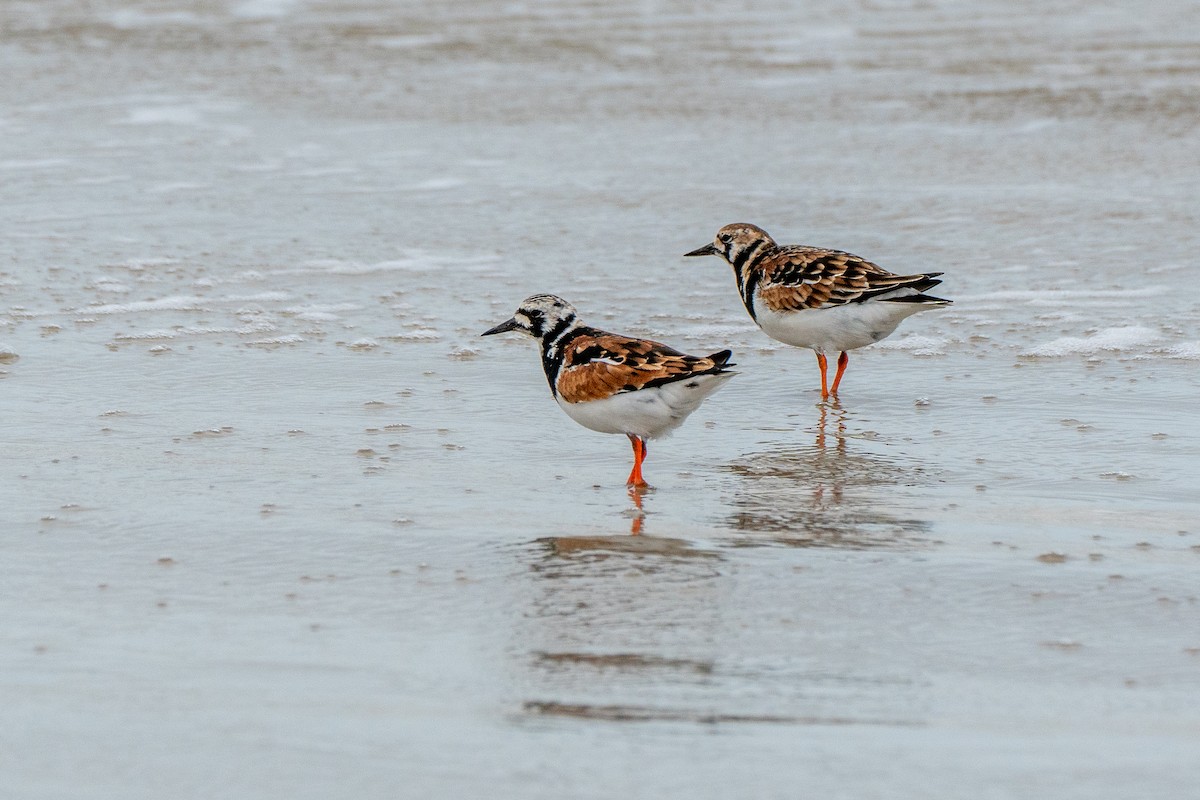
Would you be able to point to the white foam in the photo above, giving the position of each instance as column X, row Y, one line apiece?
column 401, row 265
column 175, row 333
column 102, row 180
column 320, row 312
column 106, row 284
column 1048, row 297
column 1170, row 267
column 263, row 9
column 415, row 261
column 738, row 332
column 323, row 172
column 145, row 335
column 1189, row 350
column 419, row 335
column 132, row 19
column 140, row 264
column 164, row 115
column 407, row 42
column 261, row 297
column 917, row 344
column 177, row 303
column 266, row 165
column 32, row 163
column 288, row 339
column 1106, row 340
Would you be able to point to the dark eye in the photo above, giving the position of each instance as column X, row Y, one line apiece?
column 726, row 237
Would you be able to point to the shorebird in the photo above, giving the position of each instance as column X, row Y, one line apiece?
column 612, row 383
column 825, row 300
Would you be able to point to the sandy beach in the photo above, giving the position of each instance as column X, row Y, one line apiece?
column 278, row 523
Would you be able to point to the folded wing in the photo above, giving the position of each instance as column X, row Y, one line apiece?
column 601, row 365
column 810, row 277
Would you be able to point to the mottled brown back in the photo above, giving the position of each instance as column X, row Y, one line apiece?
column 598, row 365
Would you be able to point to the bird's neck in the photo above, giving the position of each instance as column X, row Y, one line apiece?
column 747, row 269
column 553, row 342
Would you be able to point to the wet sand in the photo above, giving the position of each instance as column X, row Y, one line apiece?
column 280, row 524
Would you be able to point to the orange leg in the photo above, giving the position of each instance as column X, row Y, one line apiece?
column 843, row 360
column 639, row 455
column 824, row 370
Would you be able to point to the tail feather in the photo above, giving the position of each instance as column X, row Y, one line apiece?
column 929, row 281
column 721, row 359
column 924, row 299
column 893, row 283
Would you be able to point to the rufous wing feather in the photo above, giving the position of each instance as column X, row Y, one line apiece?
column 801, row 277
column 599, row 366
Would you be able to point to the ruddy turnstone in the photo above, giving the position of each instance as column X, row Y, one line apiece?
column 822, row 299
column 612, row 383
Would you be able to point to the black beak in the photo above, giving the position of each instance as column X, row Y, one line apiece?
column 709, row 249
column 507, row 325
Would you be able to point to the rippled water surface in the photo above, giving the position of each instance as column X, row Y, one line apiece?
column 277, row 523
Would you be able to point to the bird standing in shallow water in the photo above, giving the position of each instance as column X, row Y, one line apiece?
column 825, row 300
column 616, row 384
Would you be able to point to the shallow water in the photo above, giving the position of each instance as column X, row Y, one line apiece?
column 278, row 523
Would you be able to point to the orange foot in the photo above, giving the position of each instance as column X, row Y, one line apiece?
column 635, row 479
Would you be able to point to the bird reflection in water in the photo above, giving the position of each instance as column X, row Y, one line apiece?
column 638, row 514
column 644, row 554
column 828, row 494
column 839, row 449
column 619, row 627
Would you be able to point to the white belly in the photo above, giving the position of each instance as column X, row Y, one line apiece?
column 832, row 330
column 648, row 413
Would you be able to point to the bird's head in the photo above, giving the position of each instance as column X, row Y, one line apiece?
column 539, row 316
column 734, row 240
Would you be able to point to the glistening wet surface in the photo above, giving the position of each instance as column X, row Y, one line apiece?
column 278, row 523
